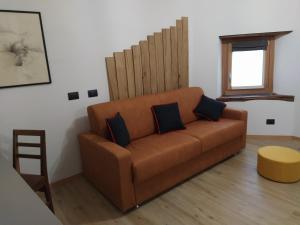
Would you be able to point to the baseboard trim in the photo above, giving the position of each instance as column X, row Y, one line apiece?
column 275, row 137
column 65, row 180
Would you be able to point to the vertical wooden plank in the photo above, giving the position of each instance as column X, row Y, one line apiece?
column 159, row 50
column 138, row 72
column 174, row 58
column 112, row 78
column 121, row 74
column 167, row 58
column 181, row 82
column 152, row 60
column 185, row 52
column 111, row 96
column 146, row 67
column 130, row 72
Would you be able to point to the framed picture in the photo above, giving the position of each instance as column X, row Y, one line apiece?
column 23, row 54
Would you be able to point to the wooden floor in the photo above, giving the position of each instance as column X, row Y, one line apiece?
column 230, row 193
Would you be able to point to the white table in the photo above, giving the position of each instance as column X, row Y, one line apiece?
column 19, row 205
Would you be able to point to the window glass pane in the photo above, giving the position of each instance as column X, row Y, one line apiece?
column 247, row 69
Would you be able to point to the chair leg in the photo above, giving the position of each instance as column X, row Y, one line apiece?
column 48, row 197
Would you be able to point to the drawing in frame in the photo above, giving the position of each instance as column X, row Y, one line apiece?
column 23, row 54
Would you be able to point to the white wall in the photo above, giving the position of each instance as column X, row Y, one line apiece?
column 76, row 63
column 259, row 111
column 80, row 33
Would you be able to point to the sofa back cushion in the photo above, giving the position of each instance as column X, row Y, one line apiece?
column 137, row 111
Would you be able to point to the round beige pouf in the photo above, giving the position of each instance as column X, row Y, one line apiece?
column 279, row 164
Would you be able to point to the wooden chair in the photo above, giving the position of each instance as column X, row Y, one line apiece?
column 39, row 183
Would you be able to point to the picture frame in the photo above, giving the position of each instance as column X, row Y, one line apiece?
column 23, row 52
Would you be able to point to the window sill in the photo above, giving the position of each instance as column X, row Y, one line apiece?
column 243, row 98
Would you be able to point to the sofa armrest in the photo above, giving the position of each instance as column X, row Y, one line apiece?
column 108, row 166
column 235, row 114
column 238, row 115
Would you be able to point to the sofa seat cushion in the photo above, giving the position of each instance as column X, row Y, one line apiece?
column 214, row 133
column 156, row 153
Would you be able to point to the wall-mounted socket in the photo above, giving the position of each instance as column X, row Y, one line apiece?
column 92, row 93
column 270, row 121
column 73, row 95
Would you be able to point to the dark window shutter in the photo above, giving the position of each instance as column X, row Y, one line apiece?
column 249, row 45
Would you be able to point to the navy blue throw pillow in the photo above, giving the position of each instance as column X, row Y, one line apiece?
column 209, row 108
column 118, row 130
column 167, row 118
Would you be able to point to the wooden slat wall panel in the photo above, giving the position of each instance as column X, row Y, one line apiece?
column 138, row 72
column 146, row 67
column 152, row 60
column 121, row 74
column 167, row 58
column 157, row 64
column 130, row 72
column 159, row 50
column 185, row 52
column 112, row 78
column 174, row 58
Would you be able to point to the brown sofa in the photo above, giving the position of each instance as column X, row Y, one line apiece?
column 153, row 163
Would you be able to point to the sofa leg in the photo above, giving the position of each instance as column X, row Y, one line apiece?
column 237, row 153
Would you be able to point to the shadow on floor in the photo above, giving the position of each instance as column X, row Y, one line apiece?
column 89, row 207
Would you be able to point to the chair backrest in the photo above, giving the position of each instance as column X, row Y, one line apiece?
column 41, row 145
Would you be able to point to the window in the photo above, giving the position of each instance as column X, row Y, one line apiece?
column 247, row 69
column 248, row 64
